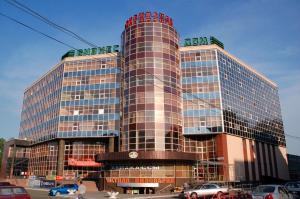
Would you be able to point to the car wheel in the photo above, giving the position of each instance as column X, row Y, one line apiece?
column 57, row 194
column 194, row 195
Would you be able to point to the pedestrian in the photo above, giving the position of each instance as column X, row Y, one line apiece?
column 81, row 191
column 186, row 186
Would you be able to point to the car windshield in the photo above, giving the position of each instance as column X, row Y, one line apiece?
column 264, row 189
column 19, row 190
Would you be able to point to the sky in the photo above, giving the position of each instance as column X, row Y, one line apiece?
column 263, row 33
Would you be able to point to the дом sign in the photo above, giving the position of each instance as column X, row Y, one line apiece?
column 149, row 17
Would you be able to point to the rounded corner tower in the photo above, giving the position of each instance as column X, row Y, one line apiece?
column 152, row 104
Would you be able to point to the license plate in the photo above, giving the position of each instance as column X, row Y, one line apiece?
column 258, row 197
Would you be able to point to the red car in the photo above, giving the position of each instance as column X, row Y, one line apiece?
column 13, row 192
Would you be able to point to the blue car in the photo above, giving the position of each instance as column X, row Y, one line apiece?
column 63, row 189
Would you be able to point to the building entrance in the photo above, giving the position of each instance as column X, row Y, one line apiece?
column 139, row 190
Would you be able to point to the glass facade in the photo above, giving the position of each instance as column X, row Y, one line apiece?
column 90, row 98
column 41, row 105
column 153, row 97
column 201, row 92
column 43, row 159
column 250, row 102
column 79, row 159
column 79, row 98
column 221, row 94
column 152, row 103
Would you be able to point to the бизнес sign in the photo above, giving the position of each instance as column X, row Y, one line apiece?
column 91, row 51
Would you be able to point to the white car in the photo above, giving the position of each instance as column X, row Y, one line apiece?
column 271, row 192
column 206, row 190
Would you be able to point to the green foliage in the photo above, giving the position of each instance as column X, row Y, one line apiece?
column 2, row 141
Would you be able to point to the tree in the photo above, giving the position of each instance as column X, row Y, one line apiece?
column 2, row 141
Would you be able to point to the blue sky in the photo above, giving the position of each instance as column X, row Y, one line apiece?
column 263, row 33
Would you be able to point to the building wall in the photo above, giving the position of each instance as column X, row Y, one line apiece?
column 41, row 103
column 90, row 97
column 236, row 167
column 201, row 92
column 282, row 163
column 294, row 162
column 251, row 160
column 251, row 106
column 152, row 105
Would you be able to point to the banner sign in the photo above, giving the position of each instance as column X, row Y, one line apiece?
column 83, row 163
column 149, row 17
column 140, row 180
column 59, row 178
column 47, row 183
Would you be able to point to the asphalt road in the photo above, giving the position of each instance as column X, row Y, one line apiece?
column 42, row 194
column 37, row 194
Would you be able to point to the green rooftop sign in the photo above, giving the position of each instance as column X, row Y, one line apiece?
column 198, row 41
column 91, row 51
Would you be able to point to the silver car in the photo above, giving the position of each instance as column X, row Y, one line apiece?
column 206, row 190
column 271, row 192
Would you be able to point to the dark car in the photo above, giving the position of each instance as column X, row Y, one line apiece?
column 63, row 189
column 13, row 192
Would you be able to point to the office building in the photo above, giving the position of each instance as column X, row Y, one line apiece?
column 151, row 113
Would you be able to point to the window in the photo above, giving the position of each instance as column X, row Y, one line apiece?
column 198, row 58
column 78, row 82
column 202, row 123
column 75, row 127
column 100, row 111
column 103, row 65
column 77, row 97
column 76, row 112
column 51, row 148
column 19, row 190
column 5, row 191
column 99, row 127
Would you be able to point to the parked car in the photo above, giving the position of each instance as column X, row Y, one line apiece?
column 294, row 188
column 63, row 189
column 13, row 192
column 271, row 192
column 204, row 190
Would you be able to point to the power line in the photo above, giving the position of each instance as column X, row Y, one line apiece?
column 292, row 136
column 35, row 30
column 35, row 14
